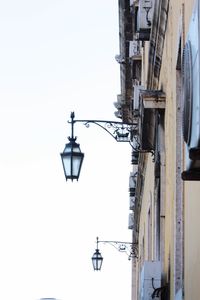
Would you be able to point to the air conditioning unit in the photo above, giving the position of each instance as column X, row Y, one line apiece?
column 136, row 99
column 120, row 99
column 191, row 99
column 120, row 59
column 145, row 14
column 118, row 114
column 144, row 18
column 150, row 279
column 118, row 104
column 134, row 49
column 131, row 221
column 132, row 184
column 131, row 203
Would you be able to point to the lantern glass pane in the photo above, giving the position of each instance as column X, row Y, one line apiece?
column 76, row 149
column 76, row 162
column 67, row 165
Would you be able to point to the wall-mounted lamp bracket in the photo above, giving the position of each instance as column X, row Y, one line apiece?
column 72, row 157
column 121, row 132
column 131, row 249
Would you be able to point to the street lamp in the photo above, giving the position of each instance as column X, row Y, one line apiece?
column 130, row 249
column 97, row 259
column 72, row 157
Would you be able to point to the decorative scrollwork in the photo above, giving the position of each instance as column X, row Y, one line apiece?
column 121, row 132
column 130, row 249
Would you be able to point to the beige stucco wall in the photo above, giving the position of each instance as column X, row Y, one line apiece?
column 168, row 84
column 192, row 241
column 147, row 202
column 178, row 22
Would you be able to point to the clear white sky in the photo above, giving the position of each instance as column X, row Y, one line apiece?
column 57, row 56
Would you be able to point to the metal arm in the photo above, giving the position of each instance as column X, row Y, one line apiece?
column 129, row 248
column 121, row 132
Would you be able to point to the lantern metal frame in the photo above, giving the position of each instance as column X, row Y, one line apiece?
column 72, row 157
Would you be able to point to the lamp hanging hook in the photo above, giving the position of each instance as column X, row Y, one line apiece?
column 72, row 124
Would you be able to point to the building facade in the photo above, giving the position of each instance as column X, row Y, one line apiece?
column 160, row 94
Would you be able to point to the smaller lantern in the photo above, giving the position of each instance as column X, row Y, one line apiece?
column 97, row 259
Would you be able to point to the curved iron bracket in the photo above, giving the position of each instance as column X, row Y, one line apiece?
column 121, row 132
column 131, row 249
